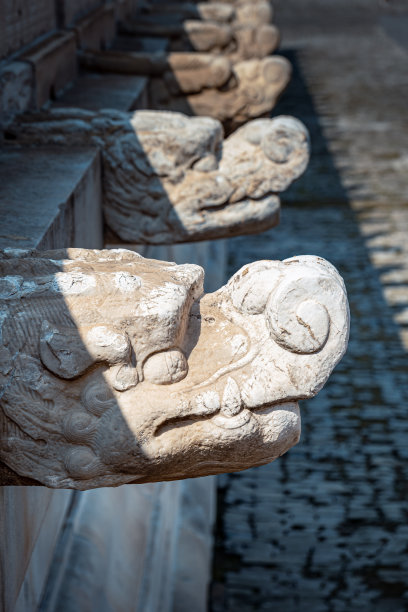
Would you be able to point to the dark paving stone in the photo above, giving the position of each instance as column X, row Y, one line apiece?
column 324, row 528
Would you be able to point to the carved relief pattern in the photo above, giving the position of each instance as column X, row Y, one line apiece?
column 115, row 368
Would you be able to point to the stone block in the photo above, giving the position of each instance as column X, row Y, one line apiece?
column 54, row 64
column 97, row 31
column 192, row 565
column 31, row 518
column 95, row 91
column 50, row 198
column 70, row 11
column 22, row 21
column 103, row 558
column 16, row 90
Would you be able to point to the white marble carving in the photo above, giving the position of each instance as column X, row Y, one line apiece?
column 115, row 368
column 169, row 178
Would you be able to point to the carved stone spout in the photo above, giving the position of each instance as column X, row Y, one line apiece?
column 201, row 83
column 169, row 178
column 115, row 369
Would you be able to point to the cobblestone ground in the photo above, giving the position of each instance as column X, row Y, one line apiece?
column 325, row 528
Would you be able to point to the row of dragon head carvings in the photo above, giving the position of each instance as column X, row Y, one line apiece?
column 117, row 369
column 219, row 64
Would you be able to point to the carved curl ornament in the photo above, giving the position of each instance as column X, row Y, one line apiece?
column 116, row 369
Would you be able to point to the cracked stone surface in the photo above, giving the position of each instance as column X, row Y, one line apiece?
column 325, row 528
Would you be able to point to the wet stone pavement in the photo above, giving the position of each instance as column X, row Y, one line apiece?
column 325, row 527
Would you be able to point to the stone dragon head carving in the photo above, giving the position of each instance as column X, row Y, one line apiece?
column 202, row 84
column 116, row 369
column 170, row 178
column 248, row 89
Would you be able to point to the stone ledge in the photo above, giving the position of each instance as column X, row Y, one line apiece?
column 96, row 31
column 95, row 91
column 50, row 198
column 54, row 64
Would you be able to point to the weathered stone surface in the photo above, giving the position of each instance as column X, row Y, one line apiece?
column 170, row 178
column 83, row 404
column 183, row 72
column 220, row 12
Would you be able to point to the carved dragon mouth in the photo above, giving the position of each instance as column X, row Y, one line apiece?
column 229, row 413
